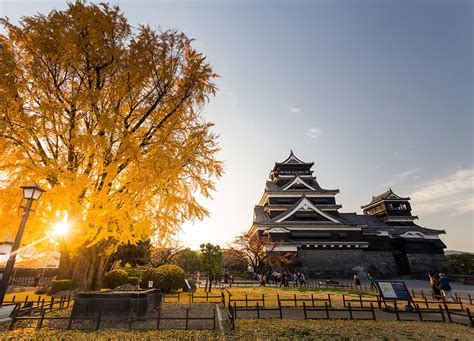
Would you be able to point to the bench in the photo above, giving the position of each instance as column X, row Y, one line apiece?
column 6, row 311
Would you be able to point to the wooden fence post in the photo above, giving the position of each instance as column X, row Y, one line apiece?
column 40, row 322
column 441, row 312
column 396, row 310
column 329, row 298
column 294, row 298
column 448, row 313
column 327, row 310
column 360, row 300
column 69, row 325
column 158, row 319
column 419, row 312
column 51, row 303
column 12, row 322
column 372, row 310
column 468, row 311
column 258, row 311
column 304, row 310
column 350, row 310
column 99, row 317
column 187, row 318
column 279, row 307
column 263, row 299
column 344, row 300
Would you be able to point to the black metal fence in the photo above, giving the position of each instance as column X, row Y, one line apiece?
column 95, row 322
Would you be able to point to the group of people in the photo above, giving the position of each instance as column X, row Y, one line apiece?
column 284, row 278
column 370, row 277
column 441, row 287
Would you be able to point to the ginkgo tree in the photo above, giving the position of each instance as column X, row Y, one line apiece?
column 107, row 118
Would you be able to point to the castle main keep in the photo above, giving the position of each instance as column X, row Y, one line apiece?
column 304, row 219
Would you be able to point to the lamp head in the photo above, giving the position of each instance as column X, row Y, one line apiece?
column 32, row 192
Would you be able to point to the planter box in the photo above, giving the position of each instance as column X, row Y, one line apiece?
column 116, row 304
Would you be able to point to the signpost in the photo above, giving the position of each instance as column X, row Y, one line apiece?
column 394, row 291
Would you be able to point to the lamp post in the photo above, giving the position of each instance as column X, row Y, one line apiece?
column 30, row 193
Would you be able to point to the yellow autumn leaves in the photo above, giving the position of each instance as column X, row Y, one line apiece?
column 107, row 118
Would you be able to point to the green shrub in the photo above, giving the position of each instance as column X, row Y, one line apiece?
column 133, row 280
column 41, row 291
column 115, row 278
column 165, row 277
column 60, row 285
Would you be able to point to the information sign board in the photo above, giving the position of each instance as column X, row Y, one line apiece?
column 393, row 290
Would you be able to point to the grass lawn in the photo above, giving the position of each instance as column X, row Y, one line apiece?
column 21, row 296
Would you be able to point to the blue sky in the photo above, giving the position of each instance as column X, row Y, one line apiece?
column 377, row 93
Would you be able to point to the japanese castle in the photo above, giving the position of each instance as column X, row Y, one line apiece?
column 304, row 219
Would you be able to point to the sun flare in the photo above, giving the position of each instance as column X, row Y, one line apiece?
column 61, row 228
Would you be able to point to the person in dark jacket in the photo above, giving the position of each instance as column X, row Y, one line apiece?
column 445, row 287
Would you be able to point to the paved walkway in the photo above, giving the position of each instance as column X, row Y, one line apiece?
column 416, row 284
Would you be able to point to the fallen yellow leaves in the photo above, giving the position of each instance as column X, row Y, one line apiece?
column 337, row 329
column 269, row 329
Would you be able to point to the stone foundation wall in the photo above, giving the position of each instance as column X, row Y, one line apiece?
column 343, row 263
column 422, row 263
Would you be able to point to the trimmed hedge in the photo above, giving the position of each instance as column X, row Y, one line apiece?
column 133, row 280
column 60, row 285
column 165, row 277
column 115, row 278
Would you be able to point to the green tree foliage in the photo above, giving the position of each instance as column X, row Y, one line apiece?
column 115, row 278
column 189, row 260
column 211, row 262
column 166, row 277
column 61, row 285
column 133, row 254
column 463, row 263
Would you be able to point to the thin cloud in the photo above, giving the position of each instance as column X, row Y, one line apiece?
column 295, row 110
column 408, row 172
column 314, row 132
column 452, row 195
column 402, row 177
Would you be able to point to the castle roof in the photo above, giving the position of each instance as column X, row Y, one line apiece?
column 389, row 194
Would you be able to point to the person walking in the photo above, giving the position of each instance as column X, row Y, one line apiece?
column 356, row 280
column 282, row 279
column 295, row 279
column 371, row 278
column 445, row 287
column 261, row 278
column 435, row 286
column 302, row 279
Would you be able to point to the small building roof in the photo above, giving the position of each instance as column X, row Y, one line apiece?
column 389, row 194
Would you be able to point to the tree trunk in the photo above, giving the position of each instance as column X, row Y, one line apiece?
column 86, row 269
